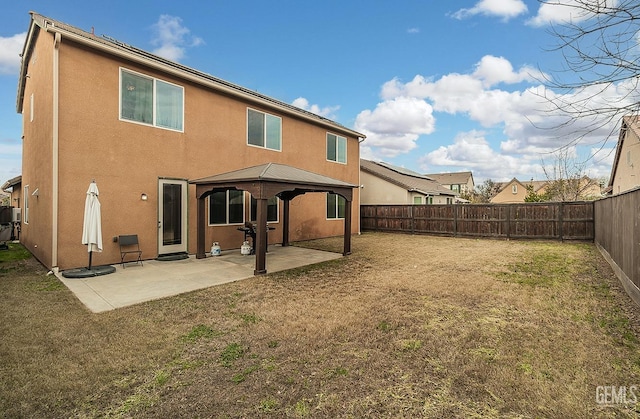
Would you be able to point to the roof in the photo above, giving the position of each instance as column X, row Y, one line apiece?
column 537, row 184
column 273, row 172
column 129, row 52
column 629, row 122
column 455, row 178
column 411, row 181
column 12, row 182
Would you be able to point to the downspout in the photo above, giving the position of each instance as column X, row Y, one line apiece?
column 54, row 175
column 360, row 140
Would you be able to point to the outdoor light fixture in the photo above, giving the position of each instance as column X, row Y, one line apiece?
column 144, row 197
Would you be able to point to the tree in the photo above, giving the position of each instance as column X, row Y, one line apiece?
column 567, row 180
column 485, row 192
column 533, row 196
column 602, row 65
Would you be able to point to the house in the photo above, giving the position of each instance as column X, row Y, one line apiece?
column 383, row 183
column 625, row 172
column 181, row 158
column 515, row 191
column 14, row 189
column 460, row 182
column 573, row 189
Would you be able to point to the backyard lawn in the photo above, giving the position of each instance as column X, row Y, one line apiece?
column 406, row 326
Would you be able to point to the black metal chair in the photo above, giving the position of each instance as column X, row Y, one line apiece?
column 129, row 245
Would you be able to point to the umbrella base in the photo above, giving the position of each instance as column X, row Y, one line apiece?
column 89, row 272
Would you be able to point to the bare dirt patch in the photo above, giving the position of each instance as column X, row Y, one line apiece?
column 406, row 326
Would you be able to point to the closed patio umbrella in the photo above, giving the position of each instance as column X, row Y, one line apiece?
column 92, row 226
column 91, row 236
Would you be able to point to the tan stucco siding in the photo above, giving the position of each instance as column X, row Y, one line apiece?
column 126, row 159
column 506, row 196
column 37, row 143
column 627, row 174
column 377, row 191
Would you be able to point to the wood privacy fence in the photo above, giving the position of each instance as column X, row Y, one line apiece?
column 549, row 220
column 617, row 235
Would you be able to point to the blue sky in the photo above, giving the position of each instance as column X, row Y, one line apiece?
column 437, row 86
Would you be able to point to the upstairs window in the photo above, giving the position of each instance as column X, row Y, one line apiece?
column 150, row 101
column 226, row 207
column 272, row 209
column 264, row 130
column 336, row 148
column 336, row 205
column 514, row 189
column 417, row 200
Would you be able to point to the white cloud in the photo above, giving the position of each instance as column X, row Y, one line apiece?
column 10, row 49
column 471, row 151
column 172, row 39
column 327, row 111
column 413, row 30
column 395, row 125
column 564, row 11
column 505, row 9
column 523, row 124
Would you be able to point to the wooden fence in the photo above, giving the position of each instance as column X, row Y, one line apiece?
column 617, row 236
column 555, row 220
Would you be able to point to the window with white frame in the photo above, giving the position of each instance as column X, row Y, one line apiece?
column 449, row 200
column 417, row 200
column 455, row 188
column 264, row 130
column 429, row 200
column 336, row 148
column 514, row 189
column 25, row 203
column 336, row 206
column 226, row 207
column 151, row 101
column 272, row 209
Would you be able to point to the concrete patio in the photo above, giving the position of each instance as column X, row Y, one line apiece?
column 159, row 279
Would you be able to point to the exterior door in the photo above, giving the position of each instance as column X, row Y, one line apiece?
column 172, row 216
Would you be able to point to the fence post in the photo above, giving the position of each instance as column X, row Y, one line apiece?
column 455, row 220
column 508, row 207
column 561, row 220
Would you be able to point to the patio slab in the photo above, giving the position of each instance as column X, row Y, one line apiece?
column 159, row 279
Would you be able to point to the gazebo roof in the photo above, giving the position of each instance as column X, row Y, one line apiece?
column 273, row 172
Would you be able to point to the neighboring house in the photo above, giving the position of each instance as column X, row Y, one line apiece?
column 157, row 136
column 382, row 183
column 460, row 182
column 14, row 188
column 625, row 172
column 515, row 191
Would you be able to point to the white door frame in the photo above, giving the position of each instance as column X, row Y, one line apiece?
column 167, row 242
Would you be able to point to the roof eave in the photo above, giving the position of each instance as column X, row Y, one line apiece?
column 229, row 90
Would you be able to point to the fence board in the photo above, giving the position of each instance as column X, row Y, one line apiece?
column 555, row 220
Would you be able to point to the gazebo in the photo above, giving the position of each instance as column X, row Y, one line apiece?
column 263, row 182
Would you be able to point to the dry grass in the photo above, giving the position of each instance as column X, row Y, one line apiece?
column 407, row 326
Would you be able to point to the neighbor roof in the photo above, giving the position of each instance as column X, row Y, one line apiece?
column 125, row 51
column 410, row 180
column 537, row 184
column 455, row 178
column 11, row 183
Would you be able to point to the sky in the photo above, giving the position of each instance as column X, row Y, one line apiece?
column 436, row 86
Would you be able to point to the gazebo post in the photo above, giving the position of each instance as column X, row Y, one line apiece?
column 200, row 252
column 261, row 237
column 347, row 228
column 285, row 222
